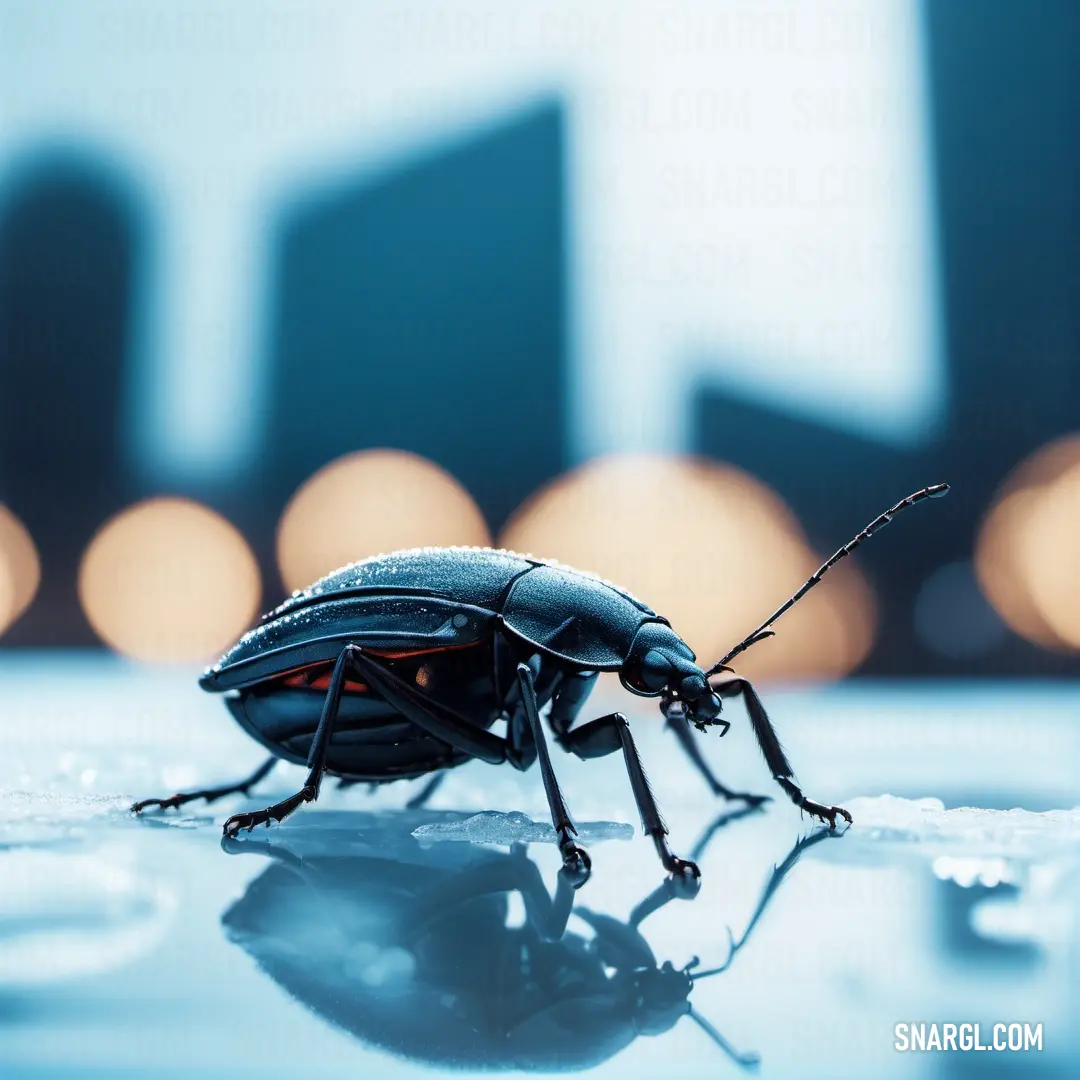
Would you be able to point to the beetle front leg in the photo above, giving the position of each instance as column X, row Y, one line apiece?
column 316, row 758
column 688, row 741
column 773, row 752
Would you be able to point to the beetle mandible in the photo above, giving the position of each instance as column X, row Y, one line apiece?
column 398, row 666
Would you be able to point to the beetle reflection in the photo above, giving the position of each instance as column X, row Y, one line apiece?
column 409, row 948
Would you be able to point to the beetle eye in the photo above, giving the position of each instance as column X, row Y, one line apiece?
column 692, row 687
column 655, row 670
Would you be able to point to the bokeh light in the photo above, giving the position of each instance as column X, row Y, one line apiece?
column 1051, row 556
column 21, row 568
column 1028, row 547
column 169, row 580
column 369, row 502
column 7, row 594
column 711, row 549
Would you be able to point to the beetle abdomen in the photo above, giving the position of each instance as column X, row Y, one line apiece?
column 371, row 741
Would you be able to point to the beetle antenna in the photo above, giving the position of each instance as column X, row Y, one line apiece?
column 750, row 1062
column 935, row 491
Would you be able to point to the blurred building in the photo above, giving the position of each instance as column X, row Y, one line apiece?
column 425, row 310
column 68, row 263
column 1005, row 123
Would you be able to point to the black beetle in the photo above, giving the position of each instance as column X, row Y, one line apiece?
column 398, row 666
column 409, row 949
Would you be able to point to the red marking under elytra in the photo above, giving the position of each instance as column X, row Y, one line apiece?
column 307, row 678
column 321, row 682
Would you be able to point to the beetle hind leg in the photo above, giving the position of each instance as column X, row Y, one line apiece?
column 316, row 758
column 209, row 794
column 278, row 812
column 416, row 802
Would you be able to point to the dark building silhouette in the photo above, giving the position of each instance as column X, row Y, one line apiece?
column 1005, row 99
column 425, row 309
column 67, row 241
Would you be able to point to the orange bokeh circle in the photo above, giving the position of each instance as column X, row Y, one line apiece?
column 371, row 502
column 708, row 547
column 169, row 580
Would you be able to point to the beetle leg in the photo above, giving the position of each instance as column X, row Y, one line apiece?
column 666, row 891
column 278, row 812
column 415, row 803
column 719, row 822
column 428, row 714
column 576, row 860
column 681, row 727
column 519, row 737
column 316, row 757
column 569, row 698
column 607, row 735
column 774, row 754
column 497, row 876
column 209, row 794
column 421, row 797
column 776, row 879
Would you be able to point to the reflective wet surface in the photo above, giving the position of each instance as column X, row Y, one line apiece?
column 340, row 944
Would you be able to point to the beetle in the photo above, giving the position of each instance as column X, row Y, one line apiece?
column 398, row 667
column 409, row 948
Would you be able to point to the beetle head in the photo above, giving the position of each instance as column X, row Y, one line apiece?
column 662, row 665
column 661, row 998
